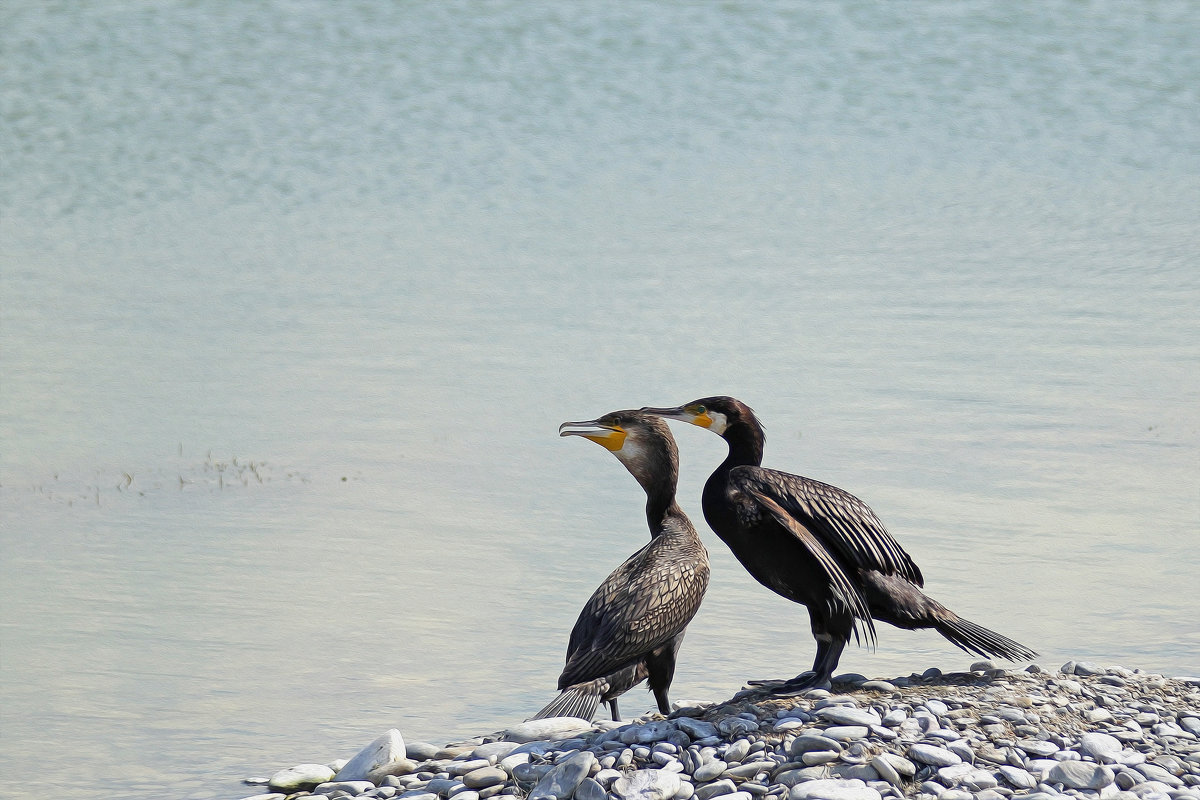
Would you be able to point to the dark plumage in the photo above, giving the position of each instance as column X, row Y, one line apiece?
column 633, row 624
column 818, row 545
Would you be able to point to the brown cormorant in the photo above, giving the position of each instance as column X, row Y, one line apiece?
column 633, row 624
column 818, row 545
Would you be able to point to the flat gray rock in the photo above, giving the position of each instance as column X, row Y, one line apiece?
column 353, row 788
column 1081, row 774
column 301, row 776
column 563, row 777
column 737, row 750
column 847, row 733
column 848, row 715
column 1038, row 747
column 696, row 728
column 1100, row 746
column 1017, row 777
column 387, row 748
column 807, row 743
column 589, row 789
column 648, row 733
column 539, row 730
column 833, row 789
column 722, row 787
column 484, row 777
column 931, row 754
column 902, row 765
column 710, row 771
column 493, row 751
column 647, row 784
column 886, row 770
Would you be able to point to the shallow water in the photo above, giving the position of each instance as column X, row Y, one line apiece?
column 295, row 296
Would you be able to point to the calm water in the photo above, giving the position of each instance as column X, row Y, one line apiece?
column 295, row 295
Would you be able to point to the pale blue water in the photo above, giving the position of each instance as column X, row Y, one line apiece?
column 377, row 252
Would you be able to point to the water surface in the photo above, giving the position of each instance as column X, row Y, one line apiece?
column 295, row 296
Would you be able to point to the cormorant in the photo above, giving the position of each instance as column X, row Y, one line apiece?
column 818, row 545
column 633, row 624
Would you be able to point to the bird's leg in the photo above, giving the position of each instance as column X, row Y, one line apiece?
column 829, row 651
column 612, row 706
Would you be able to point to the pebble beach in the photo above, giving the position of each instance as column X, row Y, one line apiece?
column 1082, row 731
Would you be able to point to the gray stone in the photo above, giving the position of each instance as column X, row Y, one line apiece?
column 302, row 776
column 833, row 789
column 955, row 794
column 809, row 742
column 862, row 772
column 886, row 770
column 736, row 726
column 387, row 748
column 511, row 761
column 393, row 768
column 1038, row 747
column 590, row 789
column 895, row 717
column 749, row 769
column 848, row 715
column 1081, row 775
column 647, row 784
column 953, row 774
column 537, row 730
column 902, row 765
column 737, row 750
column 647, row 733
column 686, row 791
column 1154, row 772
column 484, row 777
column 460, row 768
column 937, row 707
column 272, row 796
column 707, row 772
column 846, row 733
column 716, row 789
column 1100, row 746
column 1017, row 777
column 445, row 786
column 561, row 780
column 930, row 754
column 352, row 788
column 815, row 758
column 979, row 780
column 530, row 773
column 493, row 751
column 421, row 751
column 696, row 728
column 1190, row 724
column 879, row 686
column 1088, row 668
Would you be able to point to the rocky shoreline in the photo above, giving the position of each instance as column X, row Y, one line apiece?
column 989, row 734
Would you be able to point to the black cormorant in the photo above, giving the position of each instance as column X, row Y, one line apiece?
column 633, row 624
column 818, row 545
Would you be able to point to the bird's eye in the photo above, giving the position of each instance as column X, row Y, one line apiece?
column 698, row 409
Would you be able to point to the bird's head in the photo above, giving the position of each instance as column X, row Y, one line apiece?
column 717, row 414
column 641, row 441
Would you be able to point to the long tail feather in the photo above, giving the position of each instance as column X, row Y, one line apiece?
column 574, row 701
column 978, row 639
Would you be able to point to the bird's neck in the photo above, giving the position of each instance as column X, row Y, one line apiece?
column 661, row 506
column 745, row 440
